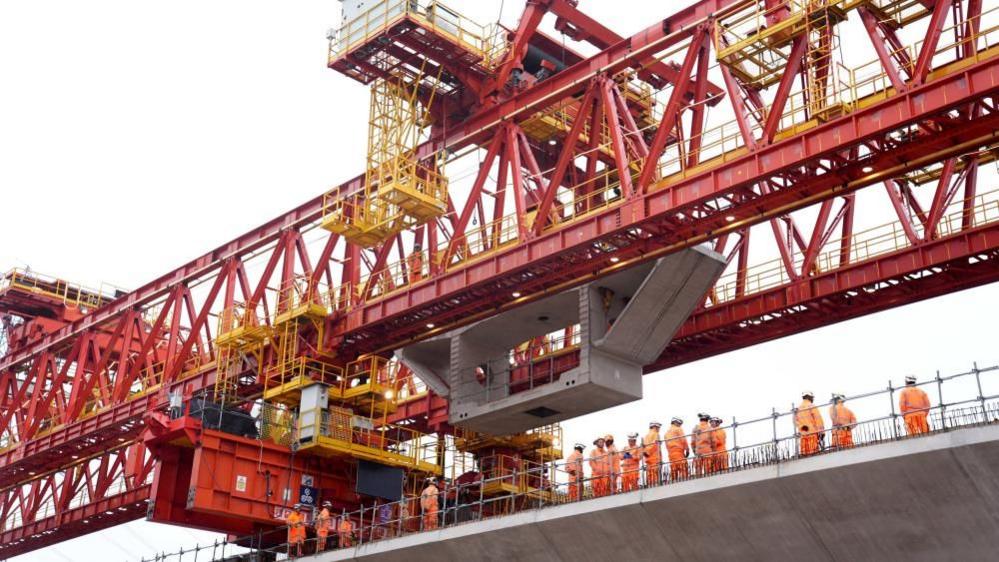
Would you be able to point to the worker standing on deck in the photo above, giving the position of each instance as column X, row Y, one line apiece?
column 653, row 454
column 915, row 407
column 677, row 450
column 809, row 415
column 630, row 458
column 296, row 531
column 345, row 531
column 719, row 450
column 614, row 463
column 428, row 502
column 574, row 467
column 599, row 468
column 700, row 441
column 322, row 525
column 843, row 420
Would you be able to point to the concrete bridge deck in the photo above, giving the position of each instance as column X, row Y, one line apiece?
column 934, row 497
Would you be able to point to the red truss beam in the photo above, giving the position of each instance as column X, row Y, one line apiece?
column 160, row 336
column 694, row 209
column 93, row 494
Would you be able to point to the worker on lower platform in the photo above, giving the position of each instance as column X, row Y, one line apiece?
column 652, row 453
column 677, row 450
column 843, row 420
column 322, row 525
column 613, row 463
column 574, row 468
column 296, row 531
column 630, row 459
column 599, row 468
column 345, row 531
column 915, row 407
column 700, row 442
column 809, row 444
column 809, row 415
column 719, row 449
column 428, row 503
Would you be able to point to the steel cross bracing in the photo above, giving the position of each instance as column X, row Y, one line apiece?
column 625, row 181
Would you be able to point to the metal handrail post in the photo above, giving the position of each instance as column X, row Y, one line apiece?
column 981, row 395
column 894, row 416
column 943, row 406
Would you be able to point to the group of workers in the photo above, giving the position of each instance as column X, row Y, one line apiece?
column 323, row 523
column 614, row 470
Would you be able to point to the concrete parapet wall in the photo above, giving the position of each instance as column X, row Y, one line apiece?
column 927, row 498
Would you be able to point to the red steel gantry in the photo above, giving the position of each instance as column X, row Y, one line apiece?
column 741, row 123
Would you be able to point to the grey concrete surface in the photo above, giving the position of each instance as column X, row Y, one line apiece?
column 928, row 498
column 625, row 321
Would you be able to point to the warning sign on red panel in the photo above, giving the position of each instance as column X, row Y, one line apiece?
column 240, row 483
column 307, row 495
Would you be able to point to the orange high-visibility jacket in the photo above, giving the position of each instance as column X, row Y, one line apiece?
column 841, row 416
column 574, row 464
column 428, row 499
column 809, row 415
column 651, row 443
column 599, row 462
column 296, row 528
column 912, row 399
column 676, row 443
column 701, row 439
column 614, row 459
column 630, row 457
column 718, row 438
column 323, row 522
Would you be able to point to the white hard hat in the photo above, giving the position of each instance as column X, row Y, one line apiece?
column 632, row 436
column 655, row 424
column 836, row 396
column 703, row 416
column 677, row 421
column 716, row 420
column 579, row 446
column 807, row 393
column 910, row 379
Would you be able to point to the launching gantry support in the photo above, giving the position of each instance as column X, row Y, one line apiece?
column 625, row 321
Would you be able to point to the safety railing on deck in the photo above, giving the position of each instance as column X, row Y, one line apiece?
column 86, row 298
column 961, row 400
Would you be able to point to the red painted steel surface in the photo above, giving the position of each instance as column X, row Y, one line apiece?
column 126, row 355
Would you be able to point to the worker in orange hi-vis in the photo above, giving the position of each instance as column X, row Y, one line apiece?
column 700, row 442
column 415, row 264
column 630, row 459
column 428, row 503
column 345, row 531
column 653, row 455
column 809, row 415
column 574, row 468
column 322, row 525
column 613, row 463
column 719, row 453
column 296, row 530
column 599, row 468
column 915, row 407
column 677, row 450
column 843, row 420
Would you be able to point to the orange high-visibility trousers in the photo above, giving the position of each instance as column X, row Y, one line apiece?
column 809, row 444
column 629, row 479
column 430, row 519
column 652, row 470
column 575, row 487
column 916, row 423
column 842, row 437
column 678, row 467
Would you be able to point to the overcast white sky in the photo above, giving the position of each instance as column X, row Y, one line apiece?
column 135, row 136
